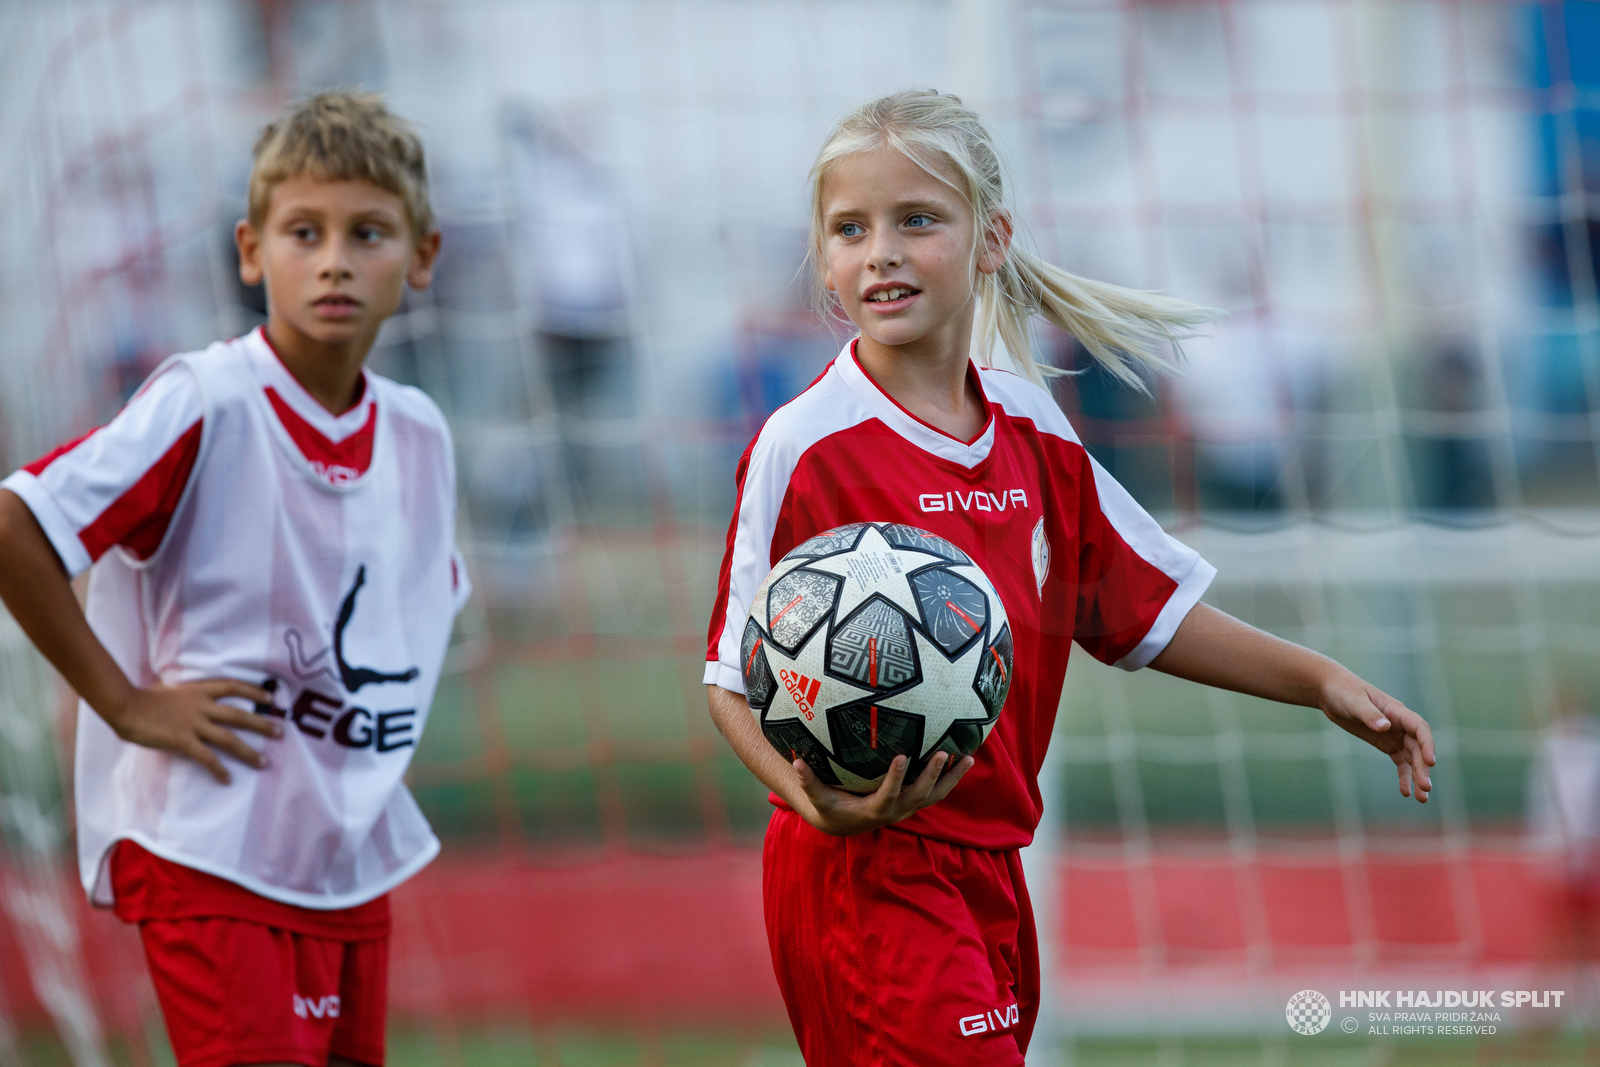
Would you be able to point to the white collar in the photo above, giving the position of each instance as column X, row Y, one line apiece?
column 907, row 425
column 270, row 372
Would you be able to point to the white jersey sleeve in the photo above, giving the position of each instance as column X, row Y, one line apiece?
column 120, row 484
column 762, row 479
column 826, row 407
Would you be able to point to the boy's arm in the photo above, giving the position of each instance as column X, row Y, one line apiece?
column 1216, row 649
column 833, row 811
column 184, row 719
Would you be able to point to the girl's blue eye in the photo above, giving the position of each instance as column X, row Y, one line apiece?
column 850, row 229
column 918, row 221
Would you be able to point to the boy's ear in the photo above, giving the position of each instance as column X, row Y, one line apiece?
column 997, row 242
column 420, row 274
column 248, row 241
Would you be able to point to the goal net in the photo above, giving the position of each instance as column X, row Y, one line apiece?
column 1388, row 448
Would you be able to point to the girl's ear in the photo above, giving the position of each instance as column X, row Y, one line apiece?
column 997, row 241
column 827, row 281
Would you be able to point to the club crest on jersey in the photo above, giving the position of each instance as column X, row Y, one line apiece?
column 802, row 690
column 1041, row 555
column 974, row 500
column 320, row 716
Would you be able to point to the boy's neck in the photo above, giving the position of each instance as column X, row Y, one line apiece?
column 331, row 373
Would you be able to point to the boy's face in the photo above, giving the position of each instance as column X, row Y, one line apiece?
column 334, row 256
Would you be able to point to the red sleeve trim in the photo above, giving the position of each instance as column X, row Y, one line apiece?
column 137, row 520
column 37, row 467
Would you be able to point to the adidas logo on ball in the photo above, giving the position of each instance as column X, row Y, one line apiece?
column 803, row 689
column 888, row 639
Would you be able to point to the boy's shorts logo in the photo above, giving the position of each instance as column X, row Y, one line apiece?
column 320, row 1008
column 803, row 690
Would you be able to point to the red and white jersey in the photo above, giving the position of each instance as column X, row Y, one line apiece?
column 1071, row 554
column 236, row 528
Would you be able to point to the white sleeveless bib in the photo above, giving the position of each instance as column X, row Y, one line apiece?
column 339, row 598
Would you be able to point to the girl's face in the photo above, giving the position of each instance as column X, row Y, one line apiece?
column 897, row 247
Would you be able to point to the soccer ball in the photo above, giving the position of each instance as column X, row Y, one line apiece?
column 873, row 640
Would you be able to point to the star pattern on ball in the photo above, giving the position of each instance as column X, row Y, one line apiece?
column 948, row 676
column 804, row 684
column 875, row 568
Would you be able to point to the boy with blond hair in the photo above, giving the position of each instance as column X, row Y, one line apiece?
column 270, row 533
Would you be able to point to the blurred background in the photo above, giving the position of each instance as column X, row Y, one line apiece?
column 1391, row 450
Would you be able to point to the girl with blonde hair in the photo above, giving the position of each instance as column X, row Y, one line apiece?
column 899, row 921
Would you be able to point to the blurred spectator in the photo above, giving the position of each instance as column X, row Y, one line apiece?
column 1450, row 458
column 1233, row 400
column 573, row 252
column 1564, row 796
column 1564, row 824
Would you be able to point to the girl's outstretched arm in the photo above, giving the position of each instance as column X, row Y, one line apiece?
column 1214, row 648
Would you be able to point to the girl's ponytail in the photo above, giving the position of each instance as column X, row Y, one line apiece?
column 1125, row 330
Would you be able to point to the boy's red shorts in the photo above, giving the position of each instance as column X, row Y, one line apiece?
column 895, row 950
column 234, row 991
column 245, row 979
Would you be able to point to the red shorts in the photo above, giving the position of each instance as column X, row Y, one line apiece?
column 893, row 949
column 245, row 979
column 234, row 991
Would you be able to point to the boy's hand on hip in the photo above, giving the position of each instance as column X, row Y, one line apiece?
column 1387, row 725
column 187, row 720
column 840, row 813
